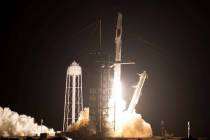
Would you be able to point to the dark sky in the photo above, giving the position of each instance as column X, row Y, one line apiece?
column 170, row 40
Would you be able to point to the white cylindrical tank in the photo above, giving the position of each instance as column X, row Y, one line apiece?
column 74, row 69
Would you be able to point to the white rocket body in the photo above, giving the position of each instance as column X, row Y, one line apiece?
column 118, row 42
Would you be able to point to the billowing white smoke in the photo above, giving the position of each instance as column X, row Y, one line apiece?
column 133, row 125
column 82, row 121
column 128, row 123
column 82, row 127
column 13, row 124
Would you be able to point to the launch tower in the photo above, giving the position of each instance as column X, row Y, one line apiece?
column 73, row 95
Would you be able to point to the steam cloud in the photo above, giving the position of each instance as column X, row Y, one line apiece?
column 82, row 127
column 13, row 124
column 133, row 125
column 127, row 122
column 82, row 121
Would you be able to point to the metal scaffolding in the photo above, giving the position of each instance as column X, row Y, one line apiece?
column 99, row 98
column 73, row 95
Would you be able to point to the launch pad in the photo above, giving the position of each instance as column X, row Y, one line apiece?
column 108, row 118
column 108, row 113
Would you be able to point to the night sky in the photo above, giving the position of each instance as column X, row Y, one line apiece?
column 170, row 40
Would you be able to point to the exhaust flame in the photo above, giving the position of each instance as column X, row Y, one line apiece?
column 13, row 124
column 116, row 104
column 127, row 123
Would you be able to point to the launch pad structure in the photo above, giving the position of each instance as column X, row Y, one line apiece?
column 99, row 97
column 109, row 76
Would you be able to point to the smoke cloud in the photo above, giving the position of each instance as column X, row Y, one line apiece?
column 82, row 121
column 13, row 124
column 127, row 123
column 82, row 127
column 133, row 125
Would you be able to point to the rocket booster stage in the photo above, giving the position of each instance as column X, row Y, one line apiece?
column 117, row 68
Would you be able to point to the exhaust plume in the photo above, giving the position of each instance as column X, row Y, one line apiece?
column 82, row 121
column 133, row 125
column 127, row 123
column 13, row 124
column 82, row 125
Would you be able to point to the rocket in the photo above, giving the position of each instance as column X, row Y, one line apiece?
column 118, row 45
column 117, row 66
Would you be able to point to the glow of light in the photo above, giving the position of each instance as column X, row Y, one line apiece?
column 126, row 123
column 116, row 104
